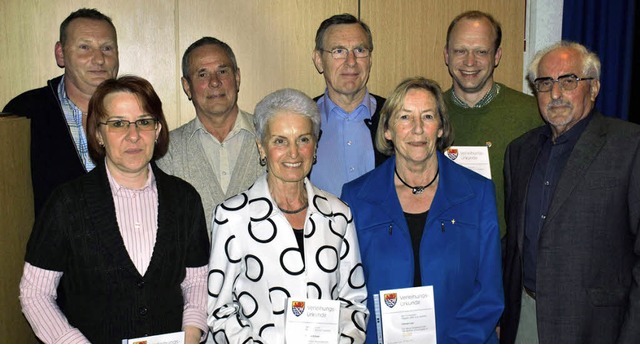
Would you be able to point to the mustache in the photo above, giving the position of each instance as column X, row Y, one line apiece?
column 558, row 102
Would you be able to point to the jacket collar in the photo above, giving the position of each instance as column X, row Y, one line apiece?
column 453, row 188
column 584, row 152
column 319, row 201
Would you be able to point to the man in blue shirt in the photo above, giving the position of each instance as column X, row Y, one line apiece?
column 350, row 113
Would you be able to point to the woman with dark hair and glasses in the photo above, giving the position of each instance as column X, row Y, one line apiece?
column 126, row 244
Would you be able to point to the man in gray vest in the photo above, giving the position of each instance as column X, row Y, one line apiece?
column 216, row 151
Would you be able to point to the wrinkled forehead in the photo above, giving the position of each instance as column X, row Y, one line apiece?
column 345, row 35
column 561, row 61
column 210, row 54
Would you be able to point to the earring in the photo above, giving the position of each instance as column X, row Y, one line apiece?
column 315, row 158
column 101, row 144
column 263, row 161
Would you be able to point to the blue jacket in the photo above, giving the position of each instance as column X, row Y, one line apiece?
column 460, row 249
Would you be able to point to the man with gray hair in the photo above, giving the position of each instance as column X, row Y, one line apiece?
column 350, row 114
column 572, row 186
column 216, row 151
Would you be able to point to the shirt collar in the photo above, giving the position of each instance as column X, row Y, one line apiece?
column 64, row 98
column 330, row 106
column 243, row 122
column 116, row 188
column 493, row 92
column 571, row 135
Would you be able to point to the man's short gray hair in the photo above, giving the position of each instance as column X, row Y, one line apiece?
column 590, row 61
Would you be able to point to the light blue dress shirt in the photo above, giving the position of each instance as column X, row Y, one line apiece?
column 345, row 150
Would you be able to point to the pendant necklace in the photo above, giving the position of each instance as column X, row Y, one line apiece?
column 417, row 189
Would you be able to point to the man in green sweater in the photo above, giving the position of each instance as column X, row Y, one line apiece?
column 484, row 112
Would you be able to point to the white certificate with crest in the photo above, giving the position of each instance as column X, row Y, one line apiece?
column 408, row 316
column 167, row 338
column 312, row 321
column 475, row 158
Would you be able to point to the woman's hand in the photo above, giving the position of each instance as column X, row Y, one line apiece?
column 192, row 335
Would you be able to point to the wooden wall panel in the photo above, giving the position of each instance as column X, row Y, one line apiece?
column 16, row 219
column 272, row 40
column 409, row 38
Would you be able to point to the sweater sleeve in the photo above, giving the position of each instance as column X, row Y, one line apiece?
column 194, row 290
column 38, row 301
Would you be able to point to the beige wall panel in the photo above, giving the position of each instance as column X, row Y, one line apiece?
column 146, row 41
column 409, row 37
column 272, row 40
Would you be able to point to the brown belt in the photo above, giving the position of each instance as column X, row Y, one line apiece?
column 530, row 292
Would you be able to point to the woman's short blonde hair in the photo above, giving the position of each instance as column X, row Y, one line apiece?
column 394, row 104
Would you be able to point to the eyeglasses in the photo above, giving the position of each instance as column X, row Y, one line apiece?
column 342, row 53
column 567, row 82
column 122, row 125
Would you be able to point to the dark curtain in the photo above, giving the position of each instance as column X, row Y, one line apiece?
column 634, row 105
column 606, row 28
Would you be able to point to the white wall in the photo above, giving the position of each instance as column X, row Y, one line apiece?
column 543, row 28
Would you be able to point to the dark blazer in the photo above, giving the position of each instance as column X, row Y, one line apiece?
column 54, row 158
column 105, row 296
column 372, row 124
column 588, row 267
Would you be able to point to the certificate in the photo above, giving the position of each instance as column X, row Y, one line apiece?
column 168, row 338
column 475, row 158
column 312, row 321
column 408, row 316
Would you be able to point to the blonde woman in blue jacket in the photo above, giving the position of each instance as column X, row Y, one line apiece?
column 424, row 220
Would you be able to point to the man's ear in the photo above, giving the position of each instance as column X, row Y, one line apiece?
column 238, row 79
column 316, row 56
column 185, row 87
column 595, row 89
column 498, row 56
column 58, row 51
column 445, row 53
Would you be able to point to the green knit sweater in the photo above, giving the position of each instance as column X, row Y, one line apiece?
column 509, row 115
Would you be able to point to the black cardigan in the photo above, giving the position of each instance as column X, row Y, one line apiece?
column 105, row 296
column 54, row 158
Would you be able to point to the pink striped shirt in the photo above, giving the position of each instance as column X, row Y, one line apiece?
column 137, row 216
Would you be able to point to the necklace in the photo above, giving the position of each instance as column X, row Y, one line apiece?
column 418, row 189
column 292, row 212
